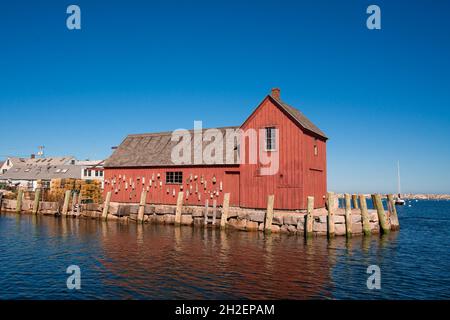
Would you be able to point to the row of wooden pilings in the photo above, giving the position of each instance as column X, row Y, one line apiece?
column 37, row 195
column 387, row 221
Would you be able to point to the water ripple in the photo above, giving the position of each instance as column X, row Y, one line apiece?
column 120, row 261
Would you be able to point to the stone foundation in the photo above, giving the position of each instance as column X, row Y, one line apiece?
column 289, row 222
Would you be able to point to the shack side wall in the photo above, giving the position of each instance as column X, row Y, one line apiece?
column 125, row 178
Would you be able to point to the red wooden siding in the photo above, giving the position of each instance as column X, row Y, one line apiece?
column 315, row 169
column 232, row 183
column 158, row 194
column 296, row 157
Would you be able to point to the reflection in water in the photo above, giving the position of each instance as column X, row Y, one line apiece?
column 133, row 261
column 366, row 241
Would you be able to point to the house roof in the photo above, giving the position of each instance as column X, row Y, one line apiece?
column 49, row 161
column 299, row 117
column 155, row 149
column 90, row 163
column 36, row 172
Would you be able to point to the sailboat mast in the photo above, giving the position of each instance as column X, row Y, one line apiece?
column 398, row 178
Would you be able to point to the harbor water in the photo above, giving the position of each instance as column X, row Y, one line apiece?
column 129, row 261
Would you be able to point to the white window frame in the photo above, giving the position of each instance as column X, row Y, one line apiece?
column 273, row 138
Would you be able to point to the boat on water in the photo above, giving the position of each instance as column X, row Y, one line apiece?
column 399, row 201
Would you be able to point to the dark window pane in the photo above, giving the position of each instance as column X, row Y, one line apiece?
column 174, row 177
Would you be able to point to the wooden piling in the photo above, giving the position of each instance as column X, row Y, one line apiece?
column 395, row 224
column 364, row 215
column 382, row 218
column 330, row 220
column 74, row 202
column 309, row 218
column 37, row 196
column 374, row 201
column 179, row 208
column 214, row 211
column 106, row 206
column 355, row 201
column 269, row 213
column 19, row 201
column 140, row 217
column 66, row 203
column 348, row 215
column 206, row 212
column 78, row 211
column 225, row 209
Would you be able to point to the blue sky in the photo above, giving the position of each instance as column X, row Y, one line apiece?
column 145, row 66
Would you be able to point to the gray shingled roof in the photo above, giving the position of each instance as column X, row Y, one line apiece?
column 36, row 172
column 154, row 149
column 299, row 117
column 49, row 161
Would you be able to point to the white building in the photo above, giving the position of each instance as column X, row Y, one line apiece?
column 92, row 170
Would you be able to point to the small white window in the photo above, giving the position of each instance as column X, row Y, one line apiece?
column 271, row 139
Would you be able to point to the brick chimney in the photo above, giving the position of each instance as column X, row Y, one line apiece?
column 276, row 93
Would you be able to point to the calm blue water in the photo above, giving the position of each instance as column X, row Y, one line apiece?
column 163, row 262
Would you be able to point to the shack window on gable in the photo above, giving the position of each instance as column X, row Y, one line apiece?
column 174, row 177
column 271, row 139
column 316, row 151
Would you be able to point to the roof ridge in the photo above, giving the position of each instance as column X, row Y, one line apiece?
column 300, row 118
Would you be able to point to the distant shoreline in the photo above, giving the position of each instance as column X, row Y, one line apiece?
column 425, row 196
column 415, row 196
